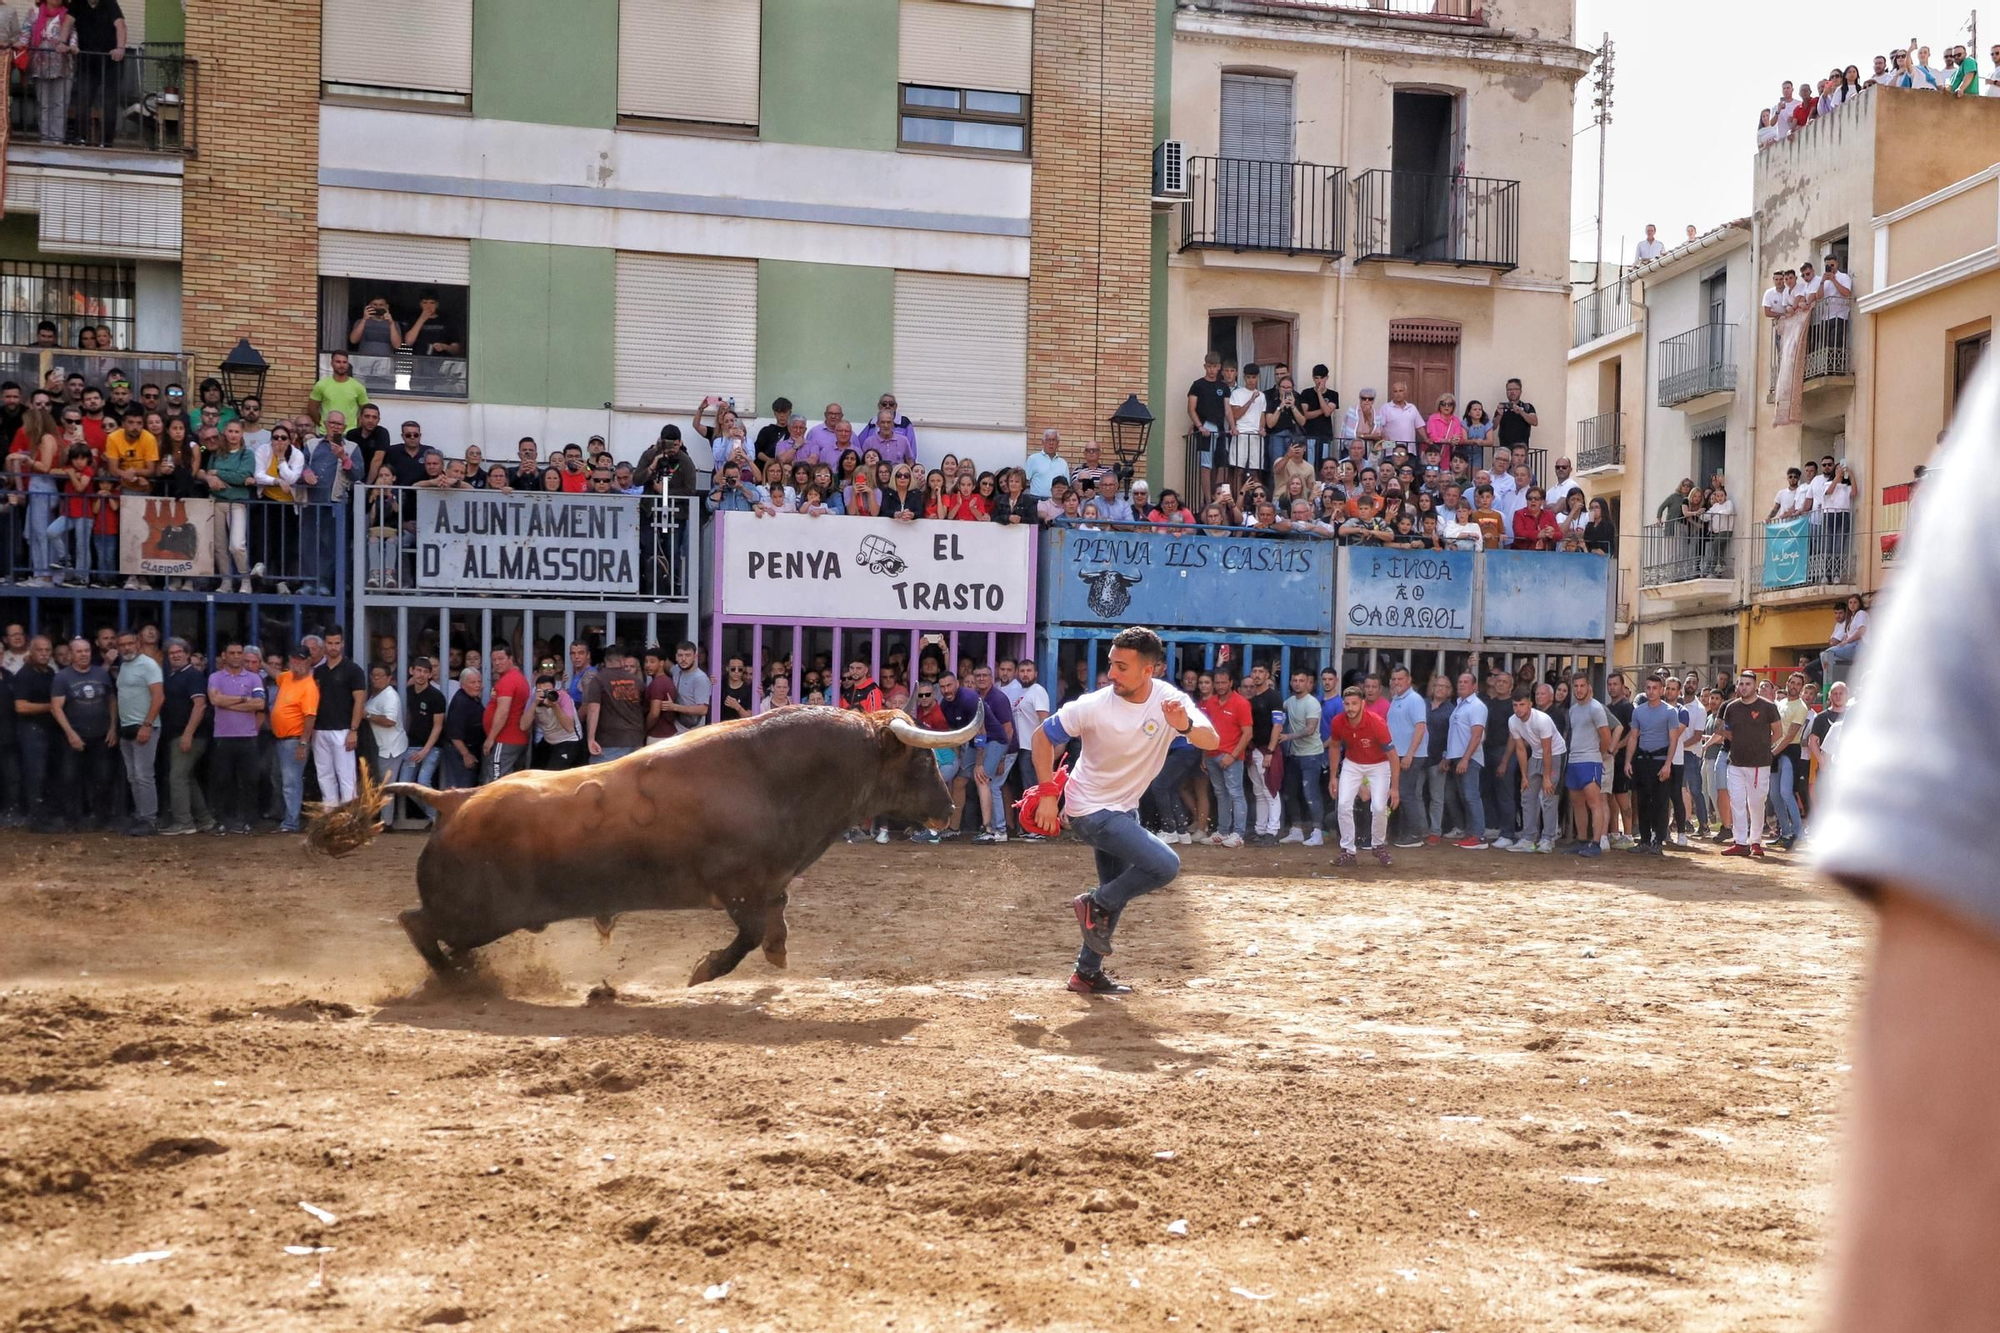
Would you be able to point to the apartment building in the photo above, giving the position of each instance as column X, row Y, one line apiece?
column 1379, row 185
column 620, row 207
column 1606, row 388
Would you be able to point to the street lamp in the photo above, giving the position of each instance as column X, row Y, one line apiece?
column 1131, row 428
column 243, row 372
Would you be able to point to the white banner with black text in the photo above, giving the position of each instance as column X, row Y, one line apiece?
column 531, row 541
column 923, row 573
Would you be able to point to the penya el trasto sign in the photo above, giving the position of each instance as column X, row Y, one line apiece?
column 837, row 570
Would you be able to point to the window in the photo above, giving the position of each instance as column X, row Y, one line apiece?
column 964, row 118
column 685, row 327
column 394, row 49
column 962, row 349
column 73, row 297
column 652, row 43
column 355, row 315
column 1966, row 354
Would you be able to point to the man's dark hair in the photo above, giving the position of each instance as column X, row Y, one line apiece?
column 1223, row 670
column 1320, row 371
column 133, row 412
column 1524, row 692
column 1139, row 639
column 48, row 324
column 781, row 405
column 423, row 662
column 10, row 384
column 687, row 644
column 1514, row 380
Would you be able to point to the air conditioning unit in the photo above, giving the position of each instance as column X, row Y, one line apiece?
column 1170, row 179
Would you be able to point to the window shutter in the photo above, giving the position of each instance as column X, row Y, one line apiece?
column 946, row 44
column 135, row 23
column 424, row 45
column 654, row 40
column 93, row 215
column 962, row 349
column 1256, row 118
column 685, row 328
column 443, row 260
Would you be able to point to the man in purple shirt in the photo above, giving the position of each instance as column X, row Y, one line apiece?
column 898, row 444
column 238, row 698
column 996, row 755
column 823, row 443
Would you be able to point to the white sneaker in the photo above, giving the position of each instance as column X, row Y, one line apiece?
column 244, row 586
column 1232, row 840
column 1184, row 837
column 1545, row 846
column 881, row 835
column 135, row 584
column 1216, row 840
column 1502, row 844
column 1522, row 846
column 1315, row 839
column 1293, row 836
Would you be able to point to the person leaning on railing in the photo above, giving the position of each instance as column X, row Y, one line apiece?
column 228, row 475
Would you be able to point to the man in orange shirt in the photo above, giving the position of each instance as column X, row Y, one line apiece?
column 1229, row 713
column 292, row 725
column 131, row 452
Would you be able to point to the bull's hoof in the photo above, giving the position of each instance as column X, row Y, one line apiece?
column 703, row 971
column 775, row 957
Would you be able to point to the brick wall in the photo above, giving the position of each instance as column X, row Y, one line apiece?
column 250, row 230
column 1090, row 247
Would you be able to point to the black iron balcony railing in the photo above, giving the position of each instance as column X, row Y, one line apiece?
column 144, row 102
column 1680, row 552
column 1600, row 441
column 1238, row 204
column 1826, row 345
column 1417, row 218
column 1450, row 11
column 1818, row 551
column 1697, row 363
column 1602, row 313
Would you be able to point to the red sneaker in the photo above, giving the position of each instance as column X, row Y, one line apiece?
column 1471, row 844
column 1757, row 850
column 1382, row 855
column 1433, row 840
column 1736, row 849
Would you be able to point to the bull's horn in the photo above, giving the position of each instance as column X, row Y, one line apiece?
column 909, row 733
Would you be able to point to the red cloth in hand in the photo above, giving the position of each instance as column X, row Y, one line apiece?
column 1031, row 800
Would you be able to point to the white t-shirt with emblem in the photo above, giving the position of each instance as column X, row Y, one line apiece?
column 1124, row 745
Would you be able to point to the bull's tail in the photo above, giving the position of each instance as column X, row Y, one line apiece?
column 341, row 830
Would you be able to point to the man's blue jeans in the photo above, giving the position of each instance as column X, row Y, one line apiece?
column 424, row 774
column 1503, row 805
column 1311, row 769
column 1475, row 806
column 1130, row 861
column 1786, row 797
column 1232, row 804
column 292, row 780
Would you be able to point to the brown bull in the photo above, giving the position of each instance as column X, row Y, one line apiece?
column 728, row 816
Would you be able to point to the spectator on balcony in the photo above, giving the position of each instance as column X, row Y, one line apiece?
column 1572, row 521
column 339, row 392
column 227, row 476
column 665, row 466
column 374, row 332
column 132, row 453
column 825, row 439
column 733, row 493
column 1282, row 422
column 1110, row 507
column 1718, row 515
column 1651, row 248
column 1560, row 492
column 1535, row 526
column 1493, row 528
column 1046, row 466
column 1791, row 500
column 1477, row 426
column 1836, row 304
column 1084, row 479
column 1599, row 534
column 52, row 65
column 1515, row 421
column 100, row 41
column 1844, row 644
column 1402, row 420
column 892, row 437
column 429, row 334
column 1292, row 468
column 1016, row 508
column 1361, row 427
column 1318, row 406
column 1444, row 429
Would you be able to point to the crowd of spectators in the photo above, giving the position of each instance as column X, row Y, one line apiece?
column 1379, row 473
column 1908, row 66
column 71, row 57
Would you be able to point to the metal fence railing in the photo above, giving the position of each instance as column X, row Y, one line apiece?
column 1600, row 314
column 406, row 373
column 132, row 542
column 1240, row 204
column 1449, row 11
column 1696, row 363
column 144, row 102
column 1248, row 451
column 566, row 545
column 1827, row 345
column 31, row 366
column 1417, row 217
column 1680, row 552
column 1815, row 551
column 1600, row 441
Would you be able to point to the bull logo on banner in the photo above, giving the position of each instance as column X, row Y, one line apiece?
column 1110, row 590
column 165, row 537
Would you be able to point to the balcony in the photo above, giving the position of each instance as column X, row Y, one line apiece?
column 1606, row 311
column 1698, row 364
column 405, row 374
column 29, row 365
column 1295, row 208
column 1413, row 217
column 144, row 103
column 1826, row 347
column 1444, row 11
column 1600, row 442
column 1803, row 559
column 1679, row 559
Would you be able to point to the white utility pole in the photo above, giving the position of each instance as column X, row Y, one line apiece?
column 1603, row 121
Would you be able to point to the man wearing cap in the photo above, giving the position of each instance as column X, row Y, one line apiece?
column 1045, row 466
column 667, row 457
column 293, row 721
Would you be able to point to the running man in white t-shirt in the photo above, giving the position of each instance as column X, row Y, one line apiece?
column 1125, row 728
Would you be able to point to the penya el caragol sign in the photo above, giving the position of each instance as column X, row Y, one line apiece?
column 1410, row 594
column 836, row 570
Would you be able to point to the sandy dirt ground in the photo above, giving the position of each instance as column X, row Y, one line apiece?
column 1473, row 1092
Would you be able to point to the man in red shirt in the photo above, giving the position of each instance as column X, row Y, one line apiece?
column 508, row 710
column 1229, row 713
column 1359, row 751
column 661, row 723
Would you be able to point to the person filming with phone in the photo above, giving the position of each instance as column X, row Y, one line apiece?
column 375, row 333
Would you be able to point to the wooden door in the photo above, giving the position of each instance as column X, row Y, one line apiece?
column 1430, row 369
column 1271, row 344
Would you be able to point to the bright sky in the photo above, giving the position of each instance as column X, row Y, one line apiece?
column 1689, row 77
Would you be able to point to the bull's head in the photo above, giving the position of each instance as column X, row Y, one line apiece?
column 912, row 788
column 1110, row 590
